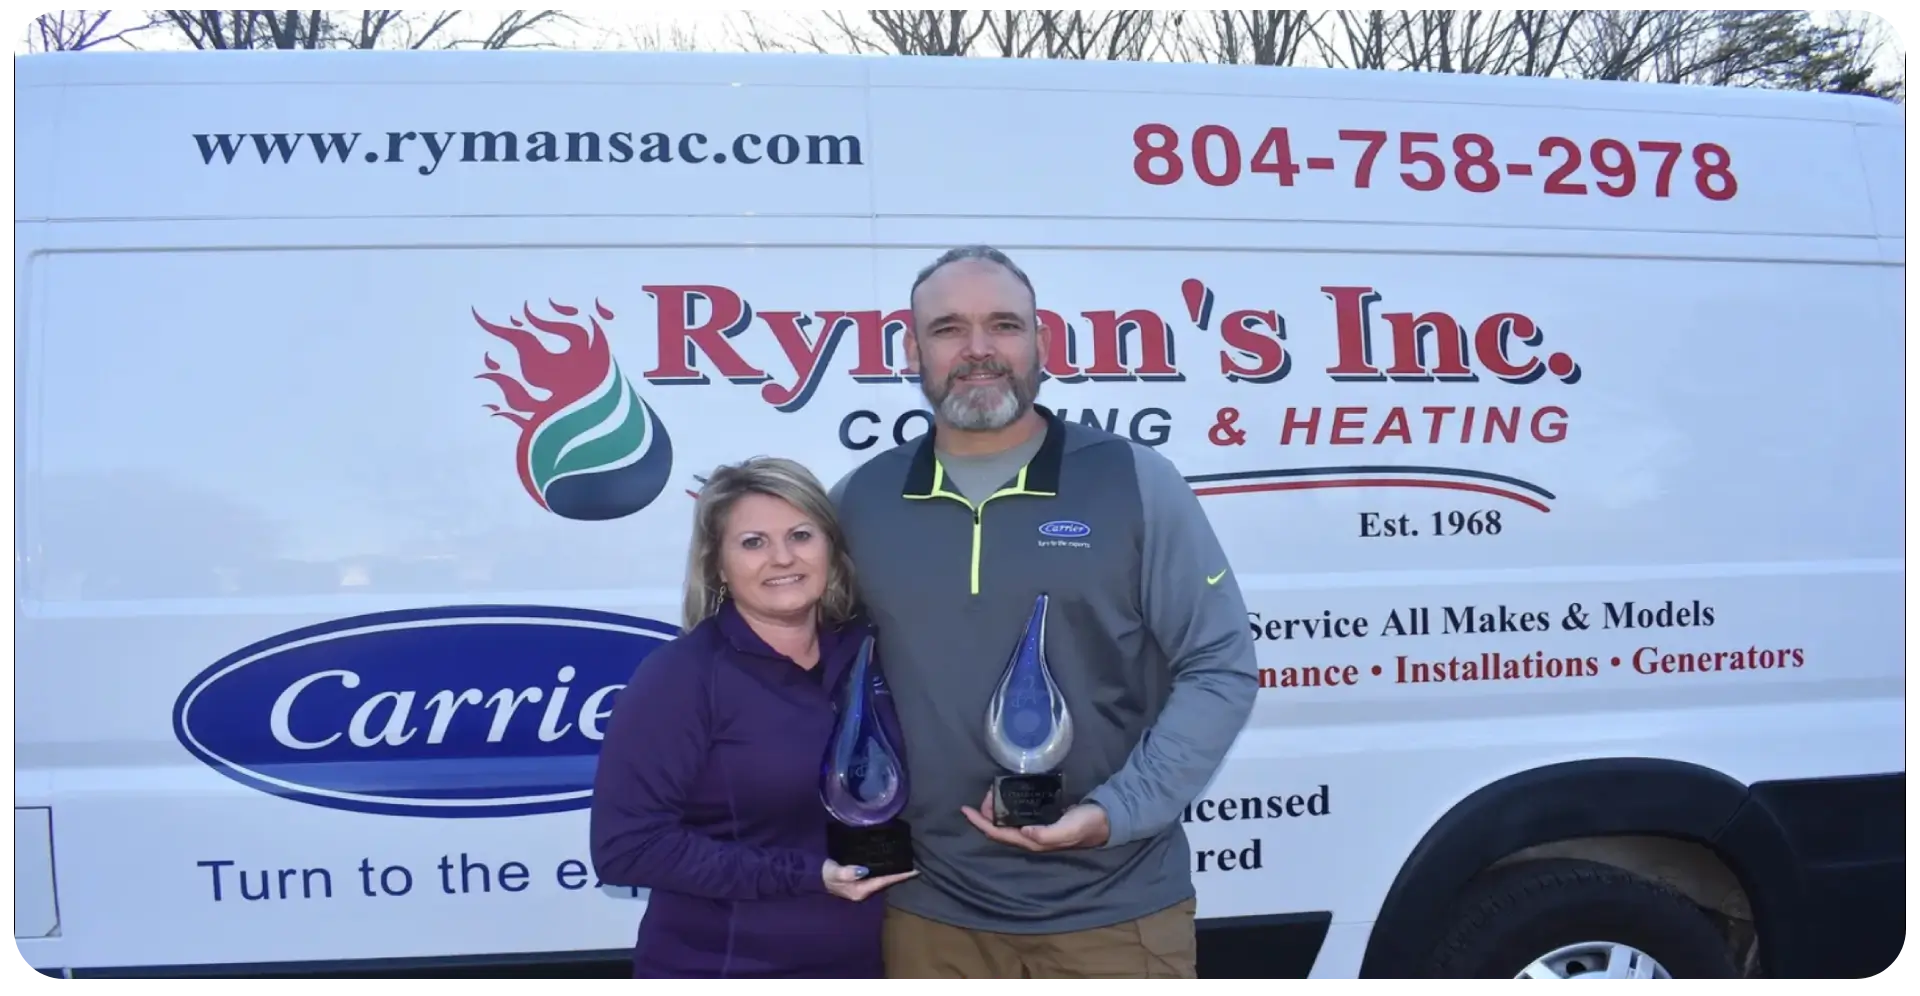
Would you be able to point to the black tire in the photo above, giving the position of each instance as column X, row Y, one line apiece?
column 1513, row 915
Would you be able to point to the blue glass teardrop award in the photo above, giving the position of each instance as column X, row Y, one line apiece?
column 863, row 779
column 1029, row 731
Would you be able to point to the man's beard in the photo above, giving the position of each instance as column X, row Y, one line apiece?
column 985, row 407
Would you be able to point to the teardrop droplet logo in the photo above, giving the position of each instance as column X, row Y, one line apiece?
column 1029, row 731
column 592, row 449
column 864, row 781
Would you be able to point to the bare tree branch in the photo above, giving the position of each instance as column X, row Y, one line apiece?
column 1362, row 40
column 1013, row 34
column 1862, row 41
column 671, row 37
column 1016, row 34
column 1126, row 35
column 1245, row 37
column 750, row 34
column 1448, row 41
column 398, row 29
column 221, row 30
column 1547, row 39
column 840, row 36
column 77, row 31
column 885, row 32
column 928, row 32
column 1758, row 48
column 508, row 32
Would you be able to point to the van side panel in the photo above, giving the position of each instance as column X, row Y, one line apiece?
column 203, row 495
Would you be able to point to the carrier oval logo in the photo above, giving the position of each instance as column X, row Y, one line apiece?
column 467, row 711
column 1064, row 529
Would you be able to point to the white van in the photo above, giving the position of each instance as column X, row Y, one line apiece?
column 1572, row 538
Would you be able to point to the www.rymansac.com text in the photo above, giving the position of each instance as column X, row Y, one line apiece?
column 428, row 151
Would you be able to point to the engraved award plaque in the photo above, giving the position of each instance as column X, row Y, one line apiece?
column 863, row 779
column 1029, row 731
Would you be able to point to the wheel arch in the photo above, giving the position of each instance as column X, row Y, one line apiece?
column 1600, row 797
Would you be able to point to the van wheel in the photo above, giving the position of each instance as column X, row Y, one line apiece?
column 1570, row 919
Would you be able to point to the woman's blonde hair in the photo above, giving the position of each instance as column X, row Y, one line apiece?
column 776, row 477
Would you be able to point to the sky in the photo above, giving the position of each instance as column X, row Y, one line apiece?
column 672, row 26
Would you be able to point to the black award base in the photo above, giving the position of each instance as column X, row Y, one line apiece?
column 1027, row 800
column 882, row 850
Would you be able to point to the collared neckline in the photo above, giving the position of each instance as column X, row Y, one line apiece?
column 837, row 645
column 1041, row 474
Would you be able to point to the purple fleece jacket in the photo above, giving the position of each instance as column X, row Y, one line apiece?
column 707, row 794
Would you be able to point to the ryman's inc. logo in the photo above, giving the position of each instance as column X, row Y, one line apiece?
column 590, row 449
column 467, row 711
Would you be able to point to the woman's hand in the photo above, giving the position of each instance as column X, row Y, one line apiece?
column 849, row 882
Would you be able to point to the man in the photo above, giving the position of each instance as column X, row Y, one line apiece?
column 1146, row 638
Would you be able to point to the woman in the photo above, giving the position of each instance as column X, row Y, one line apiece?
column 707, row 791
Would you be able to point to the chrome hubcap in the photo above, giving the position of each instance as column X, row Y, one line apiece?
column 1594, row 960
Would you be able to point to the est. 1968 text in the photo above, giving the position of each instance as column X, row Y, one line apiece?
column 1484, row 522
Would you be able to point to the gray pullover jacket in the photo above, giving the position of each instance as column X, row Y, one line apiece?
column 1146, row 636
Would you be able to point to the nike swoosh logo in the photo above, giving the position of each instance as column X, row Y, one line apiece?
column 1216, row 578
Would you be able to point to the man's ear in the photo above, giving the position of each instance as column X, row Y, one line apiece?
column 912, row 343
column 1043, row 337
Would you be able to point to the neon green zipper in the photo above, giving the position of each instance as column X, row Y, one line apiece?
column 1019, row 488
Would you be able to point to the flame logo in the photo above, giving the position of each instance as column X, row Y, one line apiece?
column 591, row 449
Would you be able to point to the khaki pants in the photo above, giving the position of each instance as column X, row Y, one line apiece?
column 1157, row 946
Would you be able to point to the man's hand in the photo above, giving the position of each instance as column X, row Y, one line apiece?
column 1084, row 825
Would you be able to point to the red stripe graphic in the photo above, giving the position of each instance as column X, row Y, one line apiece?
column 1371, row 482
